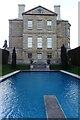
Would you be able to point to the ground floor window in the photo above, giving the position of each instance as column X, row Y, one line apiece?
column 49, row 56
column 29, row 55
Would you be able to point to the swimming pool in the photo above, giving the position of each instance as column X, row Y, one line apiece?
column 22, row 95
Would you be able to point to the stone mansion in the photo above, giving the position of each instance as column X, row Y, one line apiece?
column 38, row 34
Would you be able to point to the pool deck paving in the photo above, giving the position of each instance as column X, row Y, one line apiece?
column 53, row 108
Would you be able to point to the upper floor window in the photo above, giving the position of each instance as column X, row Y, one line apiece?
column 30, row 24
column 68, row 32
column 49, row 24
column 49, row 42
column 29, row 42
column 39, row 24
column 68, row 44
column 39, row 42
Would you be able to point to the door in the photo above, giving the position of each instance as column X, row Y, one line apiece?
column 39, row 55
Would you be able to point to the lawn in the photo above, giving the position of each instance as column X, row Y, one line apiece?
column 72, row 69
column 5, row 69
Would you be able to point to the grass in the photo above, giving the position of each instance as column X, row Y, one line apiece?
column 5, row 69
column 72, row 69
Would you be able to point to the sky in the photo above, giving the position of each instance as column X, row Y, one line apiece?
column 68, row 10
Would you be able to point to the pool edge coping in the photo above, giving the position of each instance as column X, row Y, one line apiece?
column 2, row 78
column 71, row 74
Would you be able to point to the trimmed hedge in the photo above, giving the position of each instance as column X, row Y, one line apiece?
column 55, row 66
column 74, row 56
column 4, row 54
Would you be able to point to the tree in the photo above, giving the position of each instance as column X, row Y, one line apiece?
column 5, row 44
column 14, row 57
column 64, row 59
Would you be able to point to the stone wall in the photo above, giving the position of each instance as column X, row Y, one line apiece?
column 15, row 33
column 19, row 33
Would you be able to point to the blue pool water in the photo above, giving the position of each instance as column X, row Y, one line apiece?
column 22, row 96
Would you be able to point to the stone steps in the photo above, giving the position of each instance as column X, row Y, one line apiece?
column 39, row 66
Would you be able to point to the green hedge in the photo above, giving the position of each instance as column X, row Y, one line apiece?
column 22, row 66
column 74, row 56
column 55, row 66
column 4, row 54
column 74, row 69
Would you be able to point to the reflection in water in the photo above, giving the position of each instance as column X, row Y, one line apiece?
column 7, row 98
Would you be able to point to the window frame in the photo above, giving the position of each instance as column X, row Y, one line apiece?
column 29, row 55
column 30, row 25
column 29, row 42
column 49, row 42
column 39, row 42
column 68, row 32
column 49, row 24
column 39, row 24
column 49, row 55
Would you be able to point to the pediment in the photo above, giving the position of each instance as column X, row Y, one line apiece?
column 39, row 10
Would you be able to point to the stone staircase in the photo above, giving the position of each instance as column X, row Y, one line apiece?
column 39, row 66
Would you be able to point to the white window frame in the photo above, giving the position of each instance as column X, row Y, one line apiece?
column 39, row 24
column 39, row 42
column 30, row 24
column 29, row 42
column 68, row 32
column 49, row 42
column 49, row 24
column 68, row 44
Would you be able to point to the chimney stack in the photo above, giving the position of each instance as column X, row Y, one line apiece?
column 57, row 10
column 21, row 9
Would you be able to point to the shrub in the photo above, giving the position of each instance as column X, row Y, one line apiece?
column 14, row 58
column 64, row 60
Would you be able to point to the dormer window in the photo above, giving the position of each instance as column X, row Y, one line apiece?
column 39, row 11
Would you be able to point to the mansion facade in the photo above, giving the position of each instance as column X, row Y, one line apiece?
column 38, row 35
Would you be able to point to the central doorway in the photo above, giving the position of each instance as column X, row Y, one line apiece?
column 39, row 56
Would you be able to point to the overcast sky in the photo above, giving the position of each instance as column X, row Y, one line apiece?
column 9, row 10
